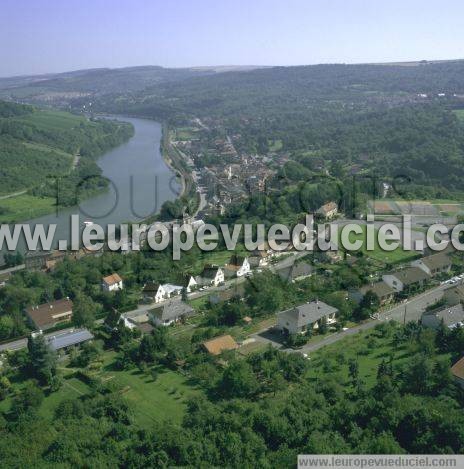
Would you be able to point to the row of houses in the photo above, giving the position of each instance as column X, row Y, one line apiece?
column 406, row 280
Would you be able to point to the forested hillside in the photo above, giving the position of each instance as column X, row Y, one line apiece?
column 38, row 145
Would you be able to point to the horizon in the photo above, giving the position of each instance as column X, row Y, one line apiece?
column 232, row 66
column 51, row 37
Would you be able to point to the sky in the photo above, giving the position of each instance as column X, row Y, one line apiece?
column 44, row 36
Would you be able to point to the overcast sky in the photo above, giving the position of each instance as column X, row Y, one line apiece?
column 40, row 36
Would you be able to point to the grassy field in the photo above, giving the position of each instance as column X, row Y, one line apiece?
column 24, row 207
column 50, row 120
column 392, row 257
column 185, row 133
column 460, row 114
column 367, row 348
column 150, row 401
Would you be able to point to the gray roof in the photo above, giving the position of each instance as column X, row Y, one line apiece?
column 302, row 269
column 210, row 272
column 381, row 289
column 411, row 275
column 174, row 309
column 437, row 261
column 450, row 315
column 307, row 313
column 67, row 339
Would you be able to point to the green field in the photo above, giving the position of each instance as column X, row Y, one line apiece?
column 25, row 207
column 367, row 348
column 185, row 133
column 163, row 400
column 391, row 257
column 52, row 120
column 460, row 114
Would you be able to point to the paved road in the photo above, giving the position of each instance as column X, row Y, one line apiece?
column 409, row 311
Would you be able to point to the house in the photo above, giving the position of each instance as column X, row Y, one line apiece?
column 171, row 312
column 137, row 321
column 407, row 279
column 50, row 315
column 153, row 291
column 237, row 291
column 296, row 272
column 211, row 275
column 385, row 293
column 454, row 295
column 220, row 344
column 112, row 283
column 259, row 258
column 327, row 211
column 238, row 266
column 300, row 319
column 189, row 283
column 434, row 265
column 457, row 370
column 156, row 292
column 451, row 316
column 65, row 340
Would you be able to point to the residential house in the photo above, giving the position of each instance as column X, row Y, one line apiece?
column 65, row 340
column 454, row 295
column 49, row 315
column 171, row 312
column 327, row 211
column 211, row 275
column 189, row 283
column 451, row 316
column 237, row 291
column 238, row 266
column 220, row 344
column 300, row 319
column 296, row 272
column 457, row 370
column 159, row 292
column 112, row 283
column 407, row 279
column 434, row 265
column 259, row 258
column 385, row 293
column 153, row 292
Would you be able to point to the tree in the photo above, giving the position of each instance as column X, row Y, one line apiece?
column 367, row 306
column 29, row 398
column 84, row 311
column 42, row 359
column 238, row 380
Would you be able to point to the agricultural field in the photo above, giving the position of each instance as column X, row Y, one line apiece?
column 418, row 208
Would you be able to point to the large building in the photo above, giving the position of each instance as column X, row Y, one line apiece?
column 50, row 315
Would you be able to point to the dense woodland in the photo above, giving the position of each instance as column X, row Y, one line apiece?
column 37, row 146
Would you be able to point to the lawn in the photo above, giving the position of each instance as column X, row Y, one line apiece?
column 368, row 348
column 185, row 133
column 25, row 207
column 151, row 401
column 392, row 257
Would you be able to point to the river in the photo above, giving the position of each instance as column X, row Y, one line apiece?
column 140, row 182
